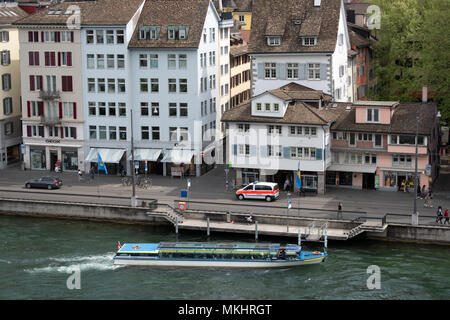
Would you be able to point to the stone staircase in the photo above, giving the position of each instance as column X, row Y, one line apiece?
column 168, row 213
column 370, row 226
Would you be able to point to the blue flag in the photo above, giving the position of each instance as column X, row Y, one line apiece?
column 101, row 164
column 299, row 177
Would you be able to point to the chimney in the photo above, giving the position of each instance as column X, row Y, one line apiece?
column 424, row 94
column 317, row 3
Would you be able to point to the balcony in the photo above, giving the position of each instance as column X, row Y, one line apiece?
column 50, row 121
column 49, row 95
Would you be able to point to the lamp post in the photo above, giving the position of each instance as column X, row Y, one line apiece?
column 133, row 197
column 415, row 215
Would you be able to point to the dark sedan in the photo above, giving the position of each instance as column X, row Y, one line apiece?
column 44, row 182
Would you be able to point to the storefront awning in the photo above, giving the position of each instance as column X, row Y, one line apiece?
column 108, row 155
column 178, row 156
column 146, row 154
column 352, row 168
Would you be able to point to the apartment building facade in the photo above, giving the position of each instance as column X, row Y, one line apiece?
column 278, row 130
column 10, row 112
column 302, row 41
column 373, row 146
column 52, row 113
column 177, row 84
column 107, row 84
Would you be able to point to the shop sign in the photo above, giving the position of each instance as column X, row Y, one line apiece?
column 52, row 141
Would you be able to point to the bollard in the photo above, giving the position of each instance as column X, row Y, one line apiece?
column 228, row 217
column 256, row 230
column 207, row 227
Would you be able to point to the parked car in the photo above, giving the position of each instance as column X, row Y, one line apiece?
column 259, row 190
column 44, row 182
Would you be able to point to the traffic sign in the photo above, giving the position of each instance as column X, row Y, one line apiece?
column 136, row 164
column 183, row 194
column 289, row 204
column 182, row 206
column 189, row 183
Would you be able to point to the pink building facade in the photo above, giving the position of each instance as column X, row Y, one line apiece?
column 373, row 146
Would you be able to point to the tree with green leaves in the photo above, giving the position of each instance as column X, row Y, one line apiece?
column 413, row 50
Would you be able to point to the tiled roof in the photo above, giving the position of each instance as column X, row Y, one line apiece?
column 11, row 14
column 322, row 21
column 164, row 13
column 297, row 113
column 110, row 12
column 238, row 50
column 403, row 120
column 115, row 12
column 42, row 16
column 295, row 91
column 244, row 5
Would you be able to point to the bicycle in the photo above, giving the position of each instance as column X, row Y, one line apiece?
column 126, row 181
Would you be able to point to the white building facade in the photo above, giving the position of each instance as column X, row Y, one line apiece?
column 309, row 58
column 176, row 87
column 108, row 91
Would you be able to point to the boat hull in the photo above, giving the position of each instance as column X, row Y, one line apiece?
column 216, row 263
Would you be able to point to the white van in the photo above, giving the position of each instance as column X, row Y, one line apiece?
column 259, row 190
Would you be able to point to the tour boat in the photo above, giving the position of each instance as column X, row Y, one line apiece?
column 194, row 254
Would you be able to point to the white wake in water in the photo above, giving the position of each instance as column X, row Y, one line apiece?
column 82, row 263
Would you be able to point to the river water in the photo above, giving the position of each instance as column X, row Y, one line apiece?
column 38, row 255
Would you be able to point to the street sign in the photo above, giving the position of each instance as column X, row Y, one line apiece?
column 428, row 170
column 183, row 194
column 136, row 164
column 189, row 183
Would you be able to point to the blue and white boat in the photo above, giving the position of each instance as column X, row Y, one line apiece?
column 195, row 254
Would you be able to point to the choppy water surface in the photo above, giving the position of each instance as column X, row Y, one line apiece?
column 38, row 255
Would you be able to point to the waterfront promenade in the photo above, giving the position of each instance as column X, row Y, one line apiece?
column 211, row 188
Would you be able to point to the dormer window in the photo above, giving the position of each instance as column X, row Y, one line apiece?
column 147, row 32
column 309, row 41
column 142, row 34
column 373, row 115
column 171, row 33
column 177, row 32
column 274, row 41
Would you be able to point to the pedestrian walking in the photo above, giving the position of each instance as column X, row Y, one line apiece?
column 80, row 175
column 419, row 192
column 439, row 215
column 91, row 174
column 446, row 217
column 424, row 192
column 427, row 200
column 339, row 214
column 286, row 184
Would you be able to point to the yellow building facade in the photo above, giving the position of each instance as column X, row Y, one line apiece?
column 10, row 90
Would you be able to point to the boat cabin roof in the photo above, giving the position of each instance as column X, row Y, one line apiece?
column 164, row 246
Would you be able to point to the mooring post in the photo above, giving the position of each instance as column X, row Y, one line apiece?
column 176, row 224
column 256, row 230
column 326, row 236
column 207, row 227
